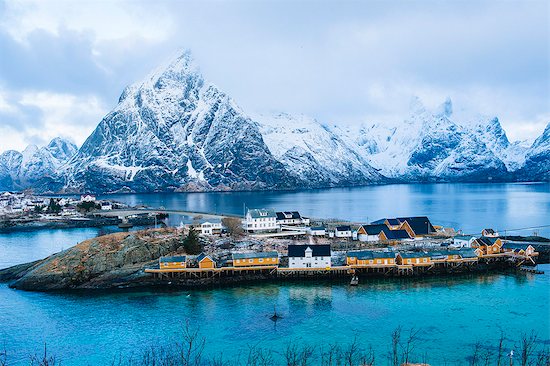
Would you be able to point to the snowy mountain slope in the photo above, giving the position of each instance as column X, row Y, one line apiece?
column 537, row 159
column 312, row 152
column 21, row 170
column 426, row 146
column 175, row 131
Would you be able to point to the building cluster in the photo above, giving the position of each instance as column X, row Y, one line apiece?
column 387, row 230
column 490, row 244
column 21, row 203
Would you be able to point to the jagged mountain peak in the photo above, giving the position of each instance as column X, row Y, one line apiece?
column 446, row 108
column 543, row 139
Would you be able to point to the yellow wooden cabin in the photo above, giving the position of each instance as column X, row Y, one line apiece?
column 488, row 245
column 205, row 261
column 174, row 262
column 414, row 258
column 370, row 258
column 255, row 259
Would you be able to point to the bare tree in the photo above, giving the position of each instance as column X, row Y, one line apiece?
column 395, row 340
column 44, row 360
column 192, row 346
column 409, row 345
column 234, row 226
column 500, row 348
column 527, row 344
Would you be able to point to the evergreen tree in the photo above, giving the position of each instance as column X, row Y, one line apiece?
column 191, row 243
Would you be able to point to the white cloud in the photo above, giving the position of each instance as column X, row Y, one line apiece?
column 38, row 117
column 107, row 20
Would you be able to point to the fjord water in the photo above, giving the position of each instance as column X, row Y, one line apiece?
column 451, row 312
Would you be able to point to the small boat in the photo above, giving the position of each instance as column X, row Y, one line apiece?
column 354, row 281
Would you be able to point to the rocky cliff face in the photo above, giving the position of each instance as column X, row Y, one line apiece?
column 111, row 261
column 537, row 160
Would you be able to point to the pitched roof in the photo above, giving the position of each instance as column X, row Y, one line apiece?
column 317, row 228
column 485, row 240
column 378, row 222
column 201, row 256
column 175, row 258
column 467, row 253
column 256, row 213
column 319, row 250
column 287, row 215
column 421, row 225
column 413, row 254
column 397, row 234
column 343, row 228
column 370, row 254
column 251, row 255
column 393, row 222
column 489, row 231
column 375, row 229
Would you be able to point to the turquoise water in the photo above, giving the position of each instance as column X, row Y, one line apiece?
column 451, row 313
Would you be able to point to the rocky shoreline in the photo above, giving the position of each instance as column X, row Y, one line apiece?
column 8, row 226
column 119, row 261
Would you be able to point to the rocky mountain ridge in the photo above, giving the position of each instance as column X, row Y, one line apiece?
column 176, row 131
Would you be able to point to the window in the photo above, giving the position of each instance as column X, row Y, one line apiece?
column 238, row 261
column 261, row 260
column 250, row 260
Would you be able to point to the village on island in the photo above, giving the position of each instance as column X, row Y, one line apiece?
column 294, row 246
column 285, row 244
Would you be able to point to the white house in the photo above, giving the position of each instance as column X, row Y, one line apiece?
column 87, row 198
column 343, row 231
column 291, row 218
column 309, row 256
column 463, row 241
column 106, row 206
column 258, row 220
column 489, row 233
column 210, row 228
column 317, row 231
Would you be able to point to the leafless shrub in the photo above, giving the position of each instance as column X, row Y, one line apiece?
column 527, row 346
column 295, row 355
column 44, row 360
column 395, row 341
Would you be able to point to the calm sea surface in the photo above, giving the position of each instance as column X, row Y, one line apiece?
column 451, row 313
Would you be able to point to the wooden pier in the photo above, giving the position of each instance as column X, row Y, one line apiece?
column 266, row 272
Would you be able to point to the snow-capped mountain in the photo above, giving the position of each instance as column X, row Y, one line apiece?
column 175, row 131
column 437, row 146
column 21, row 170
column 312, row 152
column 537, row 160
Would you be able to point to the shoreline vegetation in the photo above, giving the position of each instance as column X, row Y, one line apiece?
column 404, row 348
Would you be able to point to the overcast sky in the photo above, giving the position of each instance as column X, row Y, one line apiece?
column 63, row 64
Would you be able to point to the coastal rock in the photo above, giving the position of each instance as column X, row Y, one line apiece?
column 110, row 261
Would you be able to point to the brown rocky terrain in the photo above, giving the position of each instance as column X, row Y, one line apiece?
column 110, row 261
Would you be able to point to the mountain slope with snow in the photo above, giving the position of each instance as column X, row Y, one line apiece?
column 537, row 160
column 427, row 146
column 21, row 170
column 313, row 153
column 175, row 131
